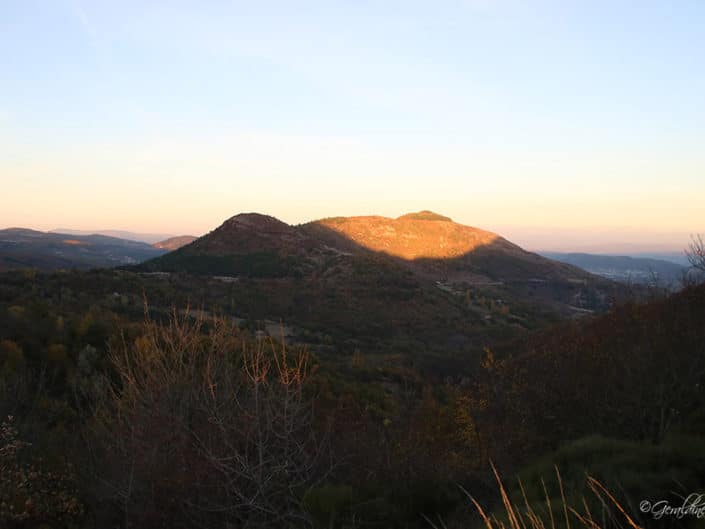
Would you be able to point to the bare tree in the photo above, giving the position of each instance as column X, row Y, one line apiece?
column 202, row 427
column 696, row 252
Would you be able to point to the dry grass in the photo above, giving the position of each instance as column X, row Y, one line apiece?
column 526, row 516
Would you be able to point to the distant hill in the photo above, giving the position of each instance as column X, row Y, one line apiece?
column 174, row 243
column 24, row 248
column 674, row 257
column 424, row 249
column 149, row 238
column 624, row 268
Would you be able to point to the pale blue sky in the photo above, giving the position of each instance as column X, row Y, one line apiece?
column 519, row 116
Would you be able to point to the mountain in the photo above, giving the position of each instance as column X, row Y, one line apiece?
column 435, row 245
column 248, row 244
column 673, row 257
column 24, row 248
column 425, row 242
column 624, row 268
column 174, row 243
column 423, row 235
column 149, row 238
column 422, row 251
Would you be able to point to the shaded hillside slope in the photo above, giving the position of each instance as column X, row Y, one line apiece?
column 248, row 244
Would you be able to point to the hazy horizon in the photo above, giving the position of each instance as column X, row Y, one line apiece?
column 555, row 125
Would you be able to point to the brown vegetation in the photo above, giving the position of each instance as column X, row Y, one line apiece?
column 201, row 427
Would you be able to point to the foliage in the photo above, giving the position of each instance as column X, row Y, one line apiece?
column 29, row 492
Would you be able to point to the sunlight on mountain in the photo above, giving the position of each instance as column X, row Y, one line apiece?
column 413, row 236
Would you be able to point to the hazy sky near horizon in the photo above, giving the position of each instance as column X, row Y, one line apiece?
column 583, row 117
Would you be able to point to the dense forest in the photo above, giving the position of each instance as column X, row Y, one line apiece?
column 134, row 400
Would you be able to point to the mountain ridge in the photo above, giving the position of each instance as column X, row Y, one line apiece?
column 149, row 238
column 27, row 248
column 431, row 247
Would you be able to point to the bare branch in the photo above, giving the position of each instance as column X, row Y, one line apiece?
column 696, row 252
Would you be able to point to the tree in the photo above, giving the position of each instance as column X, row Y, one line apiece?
column 201, row 427
column 696, row 252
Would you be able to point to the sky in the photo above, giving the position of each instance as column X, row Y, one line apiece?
column 559, row 124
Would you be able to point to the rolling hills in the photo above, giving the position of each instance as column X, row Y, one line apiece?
column 624, row 268
column 149, row 238
column 24, row 248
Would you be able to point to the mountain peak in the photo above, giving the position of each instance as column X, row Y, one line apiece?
column 254, row 219
column 247, row 233
column 425, row 215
